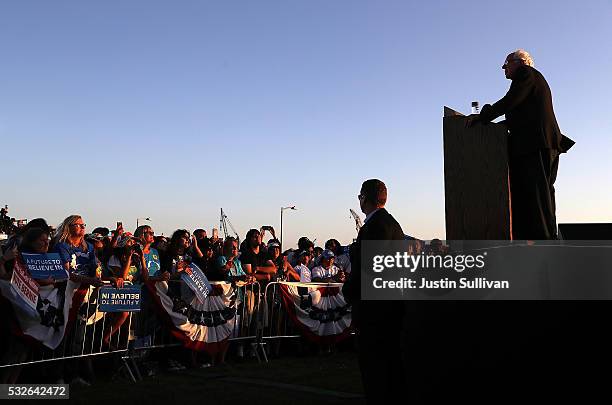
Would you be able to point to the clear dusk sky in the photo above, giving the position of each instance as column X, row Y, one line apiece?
column 171, row 110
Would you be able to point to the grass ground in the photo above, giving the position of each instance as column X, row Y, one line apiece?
column 325, row 379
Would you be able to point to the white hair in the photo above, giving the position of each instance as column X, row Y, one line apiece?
column 523, row 55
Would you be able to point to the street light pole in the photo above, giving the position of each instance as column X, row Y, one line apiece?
column 281, row 222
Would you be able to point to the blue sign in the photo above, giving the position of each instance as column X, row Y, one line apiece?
column 43, row 266
column 197, row 281
column 126, row 299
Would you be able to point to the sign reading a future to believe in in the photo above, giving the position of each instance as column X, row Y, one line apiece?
column 125, row 299
column 43, row 266
column 197, row 281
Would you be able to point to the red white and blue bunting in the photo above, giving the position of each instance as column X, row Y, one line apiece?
column 318, row 310
column 56, row 309
column 200, row 325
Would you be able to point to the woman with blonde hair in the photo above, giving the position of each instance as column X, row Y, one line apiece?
column 77, row 255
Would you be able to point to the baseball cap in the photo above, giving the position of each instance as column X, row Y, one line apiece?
column 273, row 244
column 328, row 254
column 94, row 236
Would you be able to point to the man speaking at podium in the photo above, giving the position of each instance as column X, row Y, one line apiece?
column 534, row 146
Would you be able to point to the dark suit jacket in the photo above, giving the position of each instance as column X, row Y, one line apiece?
column 381, row 226
column 529, row 114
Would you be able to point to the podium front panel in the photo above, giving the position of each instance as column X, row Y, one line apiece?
column 477, row 196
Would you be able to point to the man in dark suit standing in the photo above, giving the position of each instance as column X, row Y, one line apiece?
column 534, row 146
column 379, row 323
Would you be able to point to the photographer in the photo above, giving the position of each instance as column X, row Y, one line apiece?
column 6, row 223
column 17, row 237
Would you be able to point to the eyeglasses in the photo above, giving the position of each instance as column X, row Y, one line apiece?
column 82, row 226
column 360, row 196
column 149, row 232
column 505, row 65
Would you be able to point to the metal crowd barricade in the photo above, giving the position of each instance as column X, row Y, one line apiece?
column 276, row 325
column 247, row 308
column 248, row 319
column 245, row 329
column 84, row 338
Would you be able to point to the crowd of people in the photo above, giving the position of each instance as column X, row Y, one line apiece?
column 120, row 258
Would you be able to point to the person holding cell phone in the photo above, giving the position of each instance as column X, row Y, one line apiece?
column 254, row 258
column 127, row 264
column 176, row 259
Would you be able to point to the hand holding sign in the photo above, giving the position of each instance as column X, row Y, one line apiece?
column 96, row 282
column 181, row 266
column 48, row 281
column 45, row 266
column 196, row 281
column 120, row 300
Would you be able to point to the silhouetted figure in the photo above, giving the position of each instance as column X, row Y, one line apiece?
column 380, row 323
column 534, row 146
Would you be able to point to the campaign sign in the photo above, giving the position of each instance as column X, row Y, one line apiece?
column 24, row 286
column 126, row 299
column 43, row 266
column 197, row 281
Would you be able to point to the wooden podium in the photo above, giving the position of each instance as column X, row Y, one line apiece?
column 476, row 186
